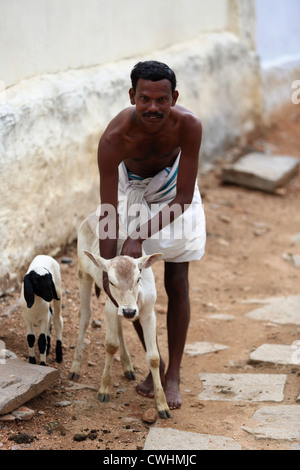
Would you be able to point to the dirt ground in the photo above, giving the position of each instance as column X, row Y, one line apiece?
column 247, row 233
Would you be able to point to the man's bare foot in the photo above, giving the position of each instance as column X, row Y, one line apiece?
column 146, row 388
column 173, row 397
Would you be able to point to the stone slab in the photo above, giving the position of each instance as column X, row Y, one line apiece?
column 173, row 439
column 221, row 316
column 283, row 310
column 261, row 171
column 276, row 422
column 277, row 354
column 21, row 381
column 203, row 347
column 242, row 387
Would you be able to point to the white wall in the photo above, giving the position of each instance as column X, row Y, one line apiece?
column 278, row 29
column 50, row 36
column 66, row 65
column 278, row 46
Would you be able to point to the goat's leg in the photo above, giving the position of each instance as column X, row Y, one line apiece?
column 49, row 331
column 111, row 346
column 30, row 341
column 148, row 323
column 85, row 290
column 58, row 325
column 42, row 340
column 124, row 355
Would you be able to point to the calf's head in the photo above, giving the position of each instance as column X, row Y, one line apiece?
column 124, row 275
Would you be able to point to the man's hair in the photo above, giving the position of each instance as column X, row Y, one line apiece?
column 154, row 71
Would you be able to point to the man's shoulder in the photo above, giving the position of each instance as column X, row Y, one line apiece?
column 186, row 114
column 188, row 121
column 119, row 125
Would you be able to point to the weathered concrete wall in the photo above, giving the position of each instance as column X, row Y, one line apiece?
column 50, row 124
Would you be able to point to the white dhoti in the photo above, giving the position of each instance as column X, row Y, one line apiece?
column 140, row 199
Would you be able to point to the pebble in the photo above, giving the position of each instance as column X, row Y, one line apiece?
column 62, row 403
column 150, row 415
column 23, row 413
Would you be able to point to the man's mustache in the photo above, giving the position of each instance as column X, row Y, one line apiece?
column 155, row 115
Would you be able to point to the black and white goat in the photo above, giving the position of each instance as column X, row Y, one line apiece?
column 41, row 285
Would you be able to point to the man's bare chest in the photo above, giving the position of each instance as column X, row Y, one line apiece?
column 148, row 160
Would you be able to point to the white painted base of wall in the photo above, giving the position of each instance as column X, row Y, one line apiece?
column 277, row 79
column 50, row 127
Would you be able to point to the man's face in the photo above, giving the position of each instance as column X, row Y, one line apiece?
column 153, row 101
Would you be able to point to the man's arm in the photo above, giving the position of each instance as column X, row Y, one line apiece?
column 108, row 161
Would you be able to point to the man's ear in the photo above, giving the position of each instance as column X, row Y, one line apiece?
column 131, row 95
column 175, row 97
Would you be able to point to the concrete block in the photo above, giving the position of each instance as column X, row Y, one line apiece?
column 173, row 439
column 276, row 422
column 21, row 381
column 242, row 387
column 277, row 354
column 284, row 310
column 261, row 171
column 203, row 347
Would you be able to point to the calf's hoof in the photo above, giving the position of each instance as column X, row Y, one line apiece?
column 130, row 375
column 103, row 397
column 58, row 351
column 165, row 414
column 73, row 376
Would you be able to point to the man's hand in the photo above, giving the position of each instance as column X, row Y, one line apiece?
column 132, row 248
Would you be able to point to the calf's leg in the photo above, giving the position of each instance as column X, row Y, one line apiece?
column 85, row 290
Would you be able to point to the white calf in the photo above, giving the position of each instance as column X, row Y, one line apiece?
column 41, row 285
column 132, row 287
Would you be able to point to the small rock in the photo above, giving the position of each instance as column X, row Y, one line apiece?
column 225, row 218
column 293, row 259
column 150, row 415
column 7, row 418
column 23, row 413
column 62, row 403
column 66, row 260
column 79, row 437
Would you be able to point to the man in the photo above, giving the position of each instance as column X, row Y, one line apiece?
column 155, row 144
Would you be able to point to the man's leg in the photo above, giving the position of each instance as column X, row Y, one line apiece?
column 178, row 318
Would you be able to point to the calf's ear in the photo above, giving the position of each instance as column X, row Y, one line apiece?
column 146, row 261
column 97, row 260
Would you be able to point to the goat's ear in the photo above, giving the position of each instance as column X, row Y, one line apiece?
column 97, row 260
column 146, row 261
column 55, row 296
column 28, row 291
